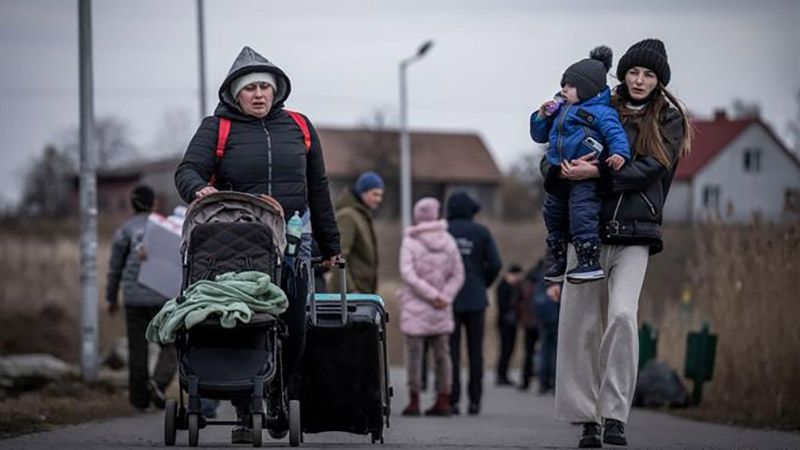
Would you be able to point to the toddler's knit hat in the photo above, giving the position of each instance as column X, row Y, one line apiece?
column 589, row 75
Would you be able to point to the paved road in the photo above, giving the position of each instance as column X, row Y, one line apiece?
column 509, row 420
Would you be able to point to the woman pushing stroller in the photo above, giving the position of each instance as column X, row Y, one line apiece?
column 270, row 151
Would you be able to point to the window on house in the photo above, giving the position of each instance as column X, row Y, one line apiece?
column 791, row 200
column 711, row 197
column 752, row 160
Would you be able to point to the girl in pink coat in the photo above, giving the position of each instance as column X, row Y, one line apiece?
column 432, row 273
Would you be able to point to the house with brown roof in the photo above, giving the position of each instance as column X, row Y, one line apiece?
column 442, row 162
column 738, row 170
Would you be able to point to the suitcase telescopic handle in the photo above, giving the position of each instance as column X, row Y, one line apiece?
column 341, row 264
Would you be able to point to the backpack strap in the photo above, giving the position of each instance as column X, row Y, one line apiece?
column 301, row 122
column 222, row 139
column 225, row 129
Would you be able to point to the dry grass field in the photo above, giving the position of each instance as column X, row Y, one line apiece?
column 741, row 279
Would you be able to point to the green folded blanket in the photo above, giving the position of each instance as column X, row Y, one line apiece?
column 234, row 296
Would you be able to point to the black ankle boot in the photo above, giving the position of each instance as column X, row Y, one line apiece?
column 614, row 433
column 556, row 260
column 590, row 438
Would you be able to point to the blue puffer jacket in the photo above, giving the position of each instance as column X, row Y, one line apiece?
column 567, row 130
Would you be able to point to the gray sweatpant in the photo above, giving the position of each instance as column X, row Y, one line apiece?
column 441, row 356
column 598, row 341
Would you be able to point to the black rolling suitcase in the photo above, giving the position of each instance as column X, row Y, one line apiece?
column 344, row 377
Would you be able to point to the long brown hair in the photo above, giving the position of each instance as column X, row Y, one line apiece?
column 651, row 140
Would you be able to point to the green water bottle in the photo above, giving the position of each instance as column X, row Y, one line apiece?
column 294, row 231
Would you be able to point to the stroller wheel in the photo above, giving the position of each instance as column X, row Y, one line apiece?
column 295, row 432
column 170, row 418
column 194, row 428
column 256, row 422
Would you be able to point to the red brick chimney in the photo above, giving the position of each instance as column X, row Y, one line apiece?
column 720, row 115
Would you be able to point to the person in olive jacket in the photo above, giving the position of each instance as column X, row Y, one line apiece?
column 266, row 153
column 354, row 209
column 482, row 264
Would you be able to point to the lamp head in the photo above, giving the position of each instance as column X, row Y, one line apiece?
column 424, row 48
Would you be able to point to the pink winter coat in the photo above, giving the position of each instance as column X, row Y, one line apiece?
column 431, row 267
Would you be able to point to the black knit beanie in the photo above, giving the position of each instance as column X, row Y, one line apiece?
column 142, row 198
column 589, row 75
column 649, row 53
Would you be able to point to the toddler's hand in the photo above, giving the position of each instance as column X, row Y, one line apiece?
column 615, row 162
column 549, row 105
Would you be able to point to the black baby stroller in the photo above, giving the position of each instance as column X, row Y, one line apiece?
column 231, row 232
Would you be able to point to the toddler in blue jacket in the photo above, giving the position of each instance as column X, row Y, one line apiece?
column 579, row 123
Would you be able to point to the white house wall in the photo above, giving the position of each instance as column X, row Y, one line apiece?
column 743, row 194
column 677, row 209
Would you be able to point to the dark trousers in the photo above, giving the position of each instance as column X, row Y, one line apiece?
column 508, row 339
column 136, row 320
column 473, row 323
column 295, row 283
column 547, row 357
column 573, row 211
column 531, row 336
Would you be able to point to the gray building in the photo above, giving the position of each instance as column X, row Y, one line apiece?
column 441, row 163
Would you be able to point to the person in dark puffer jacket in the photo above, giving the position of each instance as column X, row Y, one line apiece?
column 265, row 154
column 660, row 135
column 482, row 264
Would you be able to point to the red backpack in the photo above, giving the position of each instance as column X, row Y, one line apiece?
column 225, row 129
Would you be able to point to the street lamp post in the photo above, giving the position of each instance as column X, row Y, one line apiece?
column 201, row 57
column 88, row 196
column 405, row 138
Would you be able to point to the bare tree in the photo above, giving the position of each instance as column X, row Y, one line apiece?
column 380, row 118
column 173, row 134
column 522, row 191
column 111, row 138
column 746, row 109
column 377, row 148
column 46, row 185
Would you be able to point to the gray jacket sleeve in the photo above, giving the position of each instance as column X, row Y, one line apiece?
column 120, row 247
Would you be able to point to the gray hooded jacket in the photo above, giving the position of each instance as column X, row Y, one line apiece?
column 123, row 266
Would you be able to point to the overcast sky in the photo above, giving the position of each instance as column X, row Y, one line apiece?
column 493, row 62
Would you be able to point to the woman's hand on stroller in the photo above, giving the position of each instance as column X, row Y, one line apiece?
column 205, row 191
column 333, row 260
